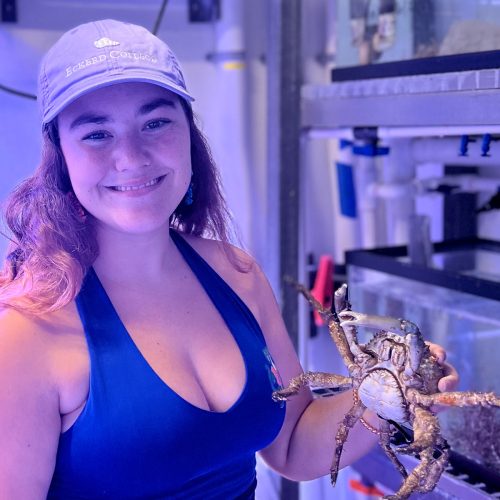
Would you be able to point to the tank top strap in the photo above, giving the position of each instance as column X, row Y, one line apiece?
column 97, row 313
column 230, row 306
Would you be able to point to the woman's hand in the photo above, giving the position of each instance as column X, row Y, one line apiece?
column 450, row 380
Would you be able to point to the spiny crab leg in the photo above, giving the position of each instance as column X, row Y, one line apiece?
column 461, row 399
column 424, row 476
column 385, row 443
column 426, row 431
column 336, row 332
column 350, row 419
column 312, row 379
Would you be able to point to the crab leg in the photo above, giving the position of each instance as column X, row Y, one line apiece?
column 336, row 332
column 426, row 432
column 385, row 436
column 424, row 477
column 350, row 418
column 455, row 398
column 314, row 379
column 426, row 474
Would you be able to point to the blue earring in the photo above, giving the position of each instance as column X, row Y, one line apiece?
column 188, row 197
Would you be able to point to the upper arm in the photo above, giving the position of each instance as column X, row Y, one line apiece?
column 29, row 413
column 287, row 363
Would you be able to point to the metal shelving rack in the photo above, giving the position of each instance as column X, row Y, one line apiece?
column 461, row 94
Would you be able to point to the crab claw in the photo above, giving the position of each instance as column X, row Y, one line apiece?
column 386, row 323
column 352, row 318
column 340, row 300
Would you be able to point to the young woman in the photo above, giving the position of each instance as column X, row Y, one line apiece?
column 138, row 348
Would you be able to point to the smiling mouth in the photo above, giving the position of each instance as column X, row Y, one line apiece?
column 150, row 183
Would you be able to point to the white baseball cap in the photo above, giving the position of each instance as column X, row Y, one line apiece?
column 102, row 53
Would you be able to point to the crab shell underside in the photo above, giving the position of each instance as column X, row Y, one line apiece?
column 383, row 388
column 380, row 391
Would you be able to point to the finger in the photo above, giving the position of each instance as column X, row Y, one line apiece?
column 437, row 351
column 450, row 380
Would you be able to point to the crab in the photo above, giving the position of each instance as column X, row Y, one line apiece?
column 395, row 375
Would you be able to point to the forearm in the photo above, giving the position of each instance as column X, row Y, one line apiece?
column 312, row 442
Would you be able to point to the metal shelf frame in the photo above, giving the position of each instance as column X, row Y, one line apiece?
column 465, row 98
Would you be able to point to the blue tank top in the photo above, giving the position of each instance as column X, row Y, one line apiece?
column 138, row 439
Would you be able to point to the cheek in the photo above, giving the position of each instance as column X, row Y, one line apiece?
column 83, row 170
column 176, row 154
column 186, row 155
column 78, row 182
column 188, row 172
column 81, row 178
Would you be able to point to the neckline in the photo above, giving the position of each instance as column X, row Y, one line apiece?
column 125, row 334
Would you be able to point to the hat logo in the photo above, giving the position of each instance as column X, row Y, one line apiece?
column 105, row 42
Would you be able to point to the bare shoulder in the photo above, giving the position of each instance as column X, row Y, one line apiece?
column 43, row 349
column 19, row 331
column 238, row 269
column 24, row 344
column 31, row 332
column 218, row 253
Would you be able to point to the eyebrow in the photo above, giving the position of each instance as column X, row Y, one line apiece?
column 156, row 103
column 88, row 118
column 143, row 110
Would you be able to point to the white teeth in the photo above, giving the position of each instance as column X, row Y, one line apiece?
column 135, row 188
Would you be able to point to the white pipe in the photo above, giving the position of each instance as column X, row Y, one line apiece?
column 394, row 190
column 229, row 29
column 469, row 183
column 472, row 183
column 329, row 133
column 435, row 150
column 448, row 151
column 391, row 191
column 444, row 131
column 228, row 62
column 405, row 132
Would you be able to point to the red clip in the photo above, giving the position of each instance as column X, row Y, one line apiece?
column 368, row 490
column 322, row 290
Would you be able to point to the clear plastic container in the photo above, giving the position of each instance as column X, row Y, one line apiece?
column 466, row 325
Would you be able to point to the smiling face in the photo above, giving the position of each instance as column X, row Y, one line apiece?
column 127, row 149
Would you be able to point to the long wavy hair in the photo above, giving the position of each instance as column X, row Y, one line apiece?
column 52, row 246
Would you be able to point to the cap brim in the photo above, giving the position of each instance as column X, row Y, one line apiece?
column 76, row 91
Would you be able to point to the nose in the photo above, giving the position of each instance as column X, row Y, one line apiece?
column 130, row 154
